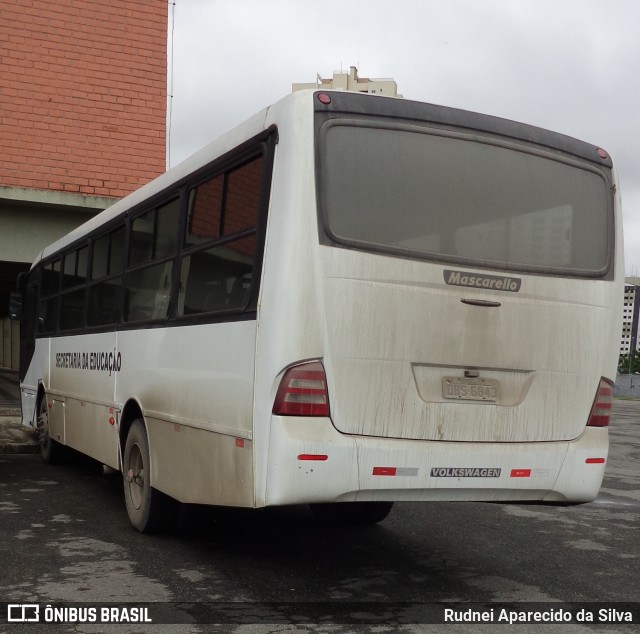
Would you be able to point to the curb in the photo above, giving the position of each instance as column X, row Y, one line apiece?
column 6, row 412
column 18, row 448
column 15, row 438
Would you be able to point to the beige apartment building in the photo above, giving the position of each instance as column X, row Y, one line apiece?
column 350, row 81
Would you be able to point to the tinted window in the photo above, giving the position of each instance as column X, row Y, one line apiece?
column 105, row 292
column 205, row 212
column 72, row 309
column 104, row 302
column 74, row 278
column 153, row 239
column 100, row 267
column 149, row 292
column 141, row 246
column 48, row 314
column 51, row 278
column 223, row 215
column 48, row 304
column 412, row 192
column 82, row 260
column 218, row 278
column 243, row 198
column 153, row 234
column 69, row 270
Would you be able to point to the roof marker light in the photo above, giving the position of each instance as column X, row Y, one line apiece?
column 324, row 98
column 602, row 153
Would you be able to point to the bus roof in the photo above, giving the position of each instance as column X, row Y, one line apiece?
column 249, row 128
column 343, row 102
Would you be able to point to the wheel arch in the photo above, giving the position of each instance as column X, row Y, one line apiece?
column 130, row 412
column 40, row 394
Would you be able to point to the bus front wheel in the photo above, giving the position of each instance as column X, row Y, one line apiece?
column 148, row 509
column 52, row 452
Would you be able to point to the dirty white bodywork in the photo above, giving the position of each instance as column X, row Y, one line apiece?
column 388, row 330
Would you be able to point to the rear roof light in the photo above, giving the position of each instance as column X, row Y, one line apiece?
column 303, row 391
column 601, row 410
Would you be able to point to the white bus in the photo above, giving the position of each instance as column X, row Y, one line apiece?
column 347, row 301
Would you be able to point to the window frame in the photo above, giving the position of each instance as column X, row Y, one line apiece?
column 74, row 286
column 223, row 238
column 328, row 237
column 264, row 145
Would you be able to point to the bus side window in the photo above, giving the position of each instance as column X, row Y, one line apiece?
column 205, row 212
column 105, row 289
column 220, row 241
column 72, row 297
column 150, row 269
column 48, row 304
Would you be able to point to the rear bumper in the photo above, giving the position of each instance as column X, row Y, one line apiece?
column 310, row 461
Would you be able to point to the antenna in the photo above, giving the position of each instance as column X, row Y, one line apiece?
column 170, row 87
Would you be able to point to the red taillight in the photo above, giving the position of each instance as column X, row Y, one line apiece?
column 303, row 391
column 601, row 410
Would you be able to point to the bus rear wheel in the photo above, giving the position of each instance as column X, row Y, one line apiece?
column 351, row 512
column 149, row 510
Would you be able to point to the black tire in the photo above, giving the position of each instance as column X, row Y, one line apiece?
column 373, row 512
column 349, row 513
column 52, row 452
column 149, row 510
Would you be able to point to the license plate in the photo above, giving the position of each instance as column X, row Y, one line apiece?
column 464, row 389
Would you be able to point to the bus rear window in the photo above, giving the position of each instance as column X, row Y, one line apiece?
column 452, row 197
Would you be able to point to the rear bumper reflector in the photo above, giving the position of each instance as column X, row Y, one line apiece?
column 395, row 471
column 520, row 473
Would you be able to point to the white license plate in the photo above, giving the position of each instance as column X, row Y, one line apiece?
column 464, row 389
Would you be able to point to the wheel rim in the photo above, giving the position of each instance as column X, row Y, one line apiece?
column 135, row 476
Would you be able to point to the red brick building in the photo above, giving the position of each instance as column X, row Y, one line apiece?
column 83, row 93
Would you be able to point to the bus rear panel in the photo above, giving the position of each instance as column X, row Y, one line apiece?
column 465, row 292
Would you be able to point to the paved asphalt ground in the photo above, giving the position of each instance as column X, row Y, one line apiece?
column 14, row 437
column 78, row 546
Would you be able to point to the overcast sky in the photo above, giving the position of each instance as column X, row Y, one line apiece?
column 568, row 65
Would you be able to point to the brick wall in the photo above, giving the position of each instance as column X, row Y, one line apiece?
column 82, row 94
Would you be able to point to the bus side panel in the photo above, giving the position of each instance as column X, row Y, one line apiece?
column 56, row 407
column 331, row 477
column 38, row 371
column 83, row 372
column 288, row 308
column 199, row 466
column 28, row 402
column 194, row 385
column 91, row 428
